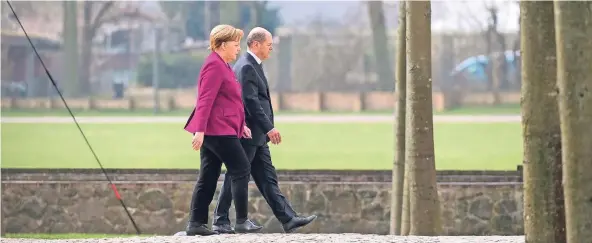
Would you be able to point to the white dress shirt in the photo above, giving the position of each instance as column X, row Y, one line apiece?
column 257, row 59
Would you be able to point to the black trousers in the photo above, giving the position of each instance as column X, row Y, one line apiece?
column 214, row 151
column 265, row 178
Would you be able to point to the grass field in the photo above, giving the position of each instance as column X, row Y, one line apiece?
column 492, row 110
column 495, row 146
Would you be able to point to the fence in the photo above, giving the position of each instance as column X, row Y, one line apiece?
column 285, row 101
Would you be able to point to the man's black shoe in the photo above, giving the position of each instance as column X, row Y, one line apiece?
column 298, row 222
column 247, row 227
column 199, row 229
column 223, row 229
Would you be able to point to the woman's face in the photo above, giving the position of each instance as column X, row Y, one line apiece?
column 231, row 50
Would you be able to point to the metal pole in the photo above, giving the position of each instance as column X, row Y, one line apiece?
column 155, row 71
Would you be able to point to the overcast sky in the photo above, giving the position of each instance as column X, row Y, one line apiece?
column 447, row 15
column 465, row 15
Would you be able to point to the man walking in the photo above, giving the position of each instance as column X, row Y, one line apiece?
column 259, row 118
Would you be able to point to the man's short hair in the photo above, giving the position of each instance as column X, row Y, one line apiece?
column 257, row 34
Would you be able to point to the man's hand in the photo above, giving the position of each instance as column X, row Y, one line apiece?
column 247, row 133
column 274, row 136
column 197, row 140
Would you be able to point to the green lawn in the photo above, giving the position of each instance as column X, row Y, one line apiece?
column 489, row 110
column 506, row 109
column 306, row 146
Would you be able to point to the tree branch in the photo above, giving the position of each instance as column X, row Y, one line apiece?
column 102, row 19
column 136, row 14
column 97, row 20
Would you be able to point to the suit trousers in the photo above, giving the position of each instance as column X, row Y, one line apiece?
column 265, row 178
column 215, row 151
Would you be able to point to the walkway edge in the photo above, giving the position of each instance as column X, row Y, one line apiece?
column 281, row 119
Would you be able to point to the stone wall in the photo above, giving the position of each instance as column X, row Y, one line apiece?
column 81, row 201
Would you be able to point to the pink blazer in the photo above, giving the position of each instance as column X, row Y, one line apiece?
column 219, row 108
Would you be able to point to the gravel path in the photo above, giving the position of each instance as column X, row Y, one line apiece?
column 283, row 119
column 293, row 238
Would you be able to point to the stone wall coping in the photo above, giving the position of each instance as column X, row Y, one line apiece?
column 193, row 171
column 251, row 183
column 163, row 175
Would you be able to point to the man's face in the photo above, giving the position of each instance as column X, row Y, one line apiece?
column 265, row 47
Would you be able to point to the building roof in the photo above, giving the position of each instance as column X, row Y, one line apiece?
column 40, row 41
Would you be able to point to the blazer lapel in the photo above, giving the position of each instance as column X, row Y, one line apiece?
column 262, row 73
column 259, row 69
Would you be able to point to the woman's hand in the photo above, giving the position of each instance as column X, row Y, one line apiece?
column 197, row 140
column 247, row 133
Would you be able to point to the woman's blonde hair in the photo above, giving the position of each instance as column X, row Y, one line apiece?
column 223, row 33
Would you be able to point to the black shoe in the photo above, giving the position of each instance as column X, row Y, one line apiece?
column 223, row 229
column 199, row 229
column 247, row 227
column 297, row 223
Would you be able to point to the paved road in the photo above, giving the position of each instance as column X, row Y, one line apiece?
column 282, row 119
column 293, row 238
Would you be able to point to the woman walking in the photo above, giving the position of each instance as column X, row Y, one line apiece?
column 217, row 123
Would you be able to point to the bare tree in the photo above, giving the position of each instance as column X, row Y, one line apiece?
column 22, row 9
column 406, row 207
column 517, row 58
column 424, row 202
column 334, row 54
column 573, row 26
column 380, row 41
column 95, row 15
column 495, row 45
column 544, row 215
column 400, row 90
column 71, row 52
column 36, row 16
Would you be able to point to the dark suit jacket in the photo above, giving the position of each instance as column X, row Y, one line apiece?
column 258, row 109
column 219, row 109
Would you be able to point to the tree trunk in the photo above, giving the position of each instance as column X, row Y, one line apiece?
column 499, row 62
column 502, row 83
column 405, row 208
column 380, row 43
column 86, row 50
column 70, row 84
column 85, row 66
column 573, row 26
column 400, row 90
column 544, row 215
column 215, row 10
column 517, row 77
column 254, row 21
column 424, row 204
column 491, row 69
column 496, row 78
column 229, row 13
